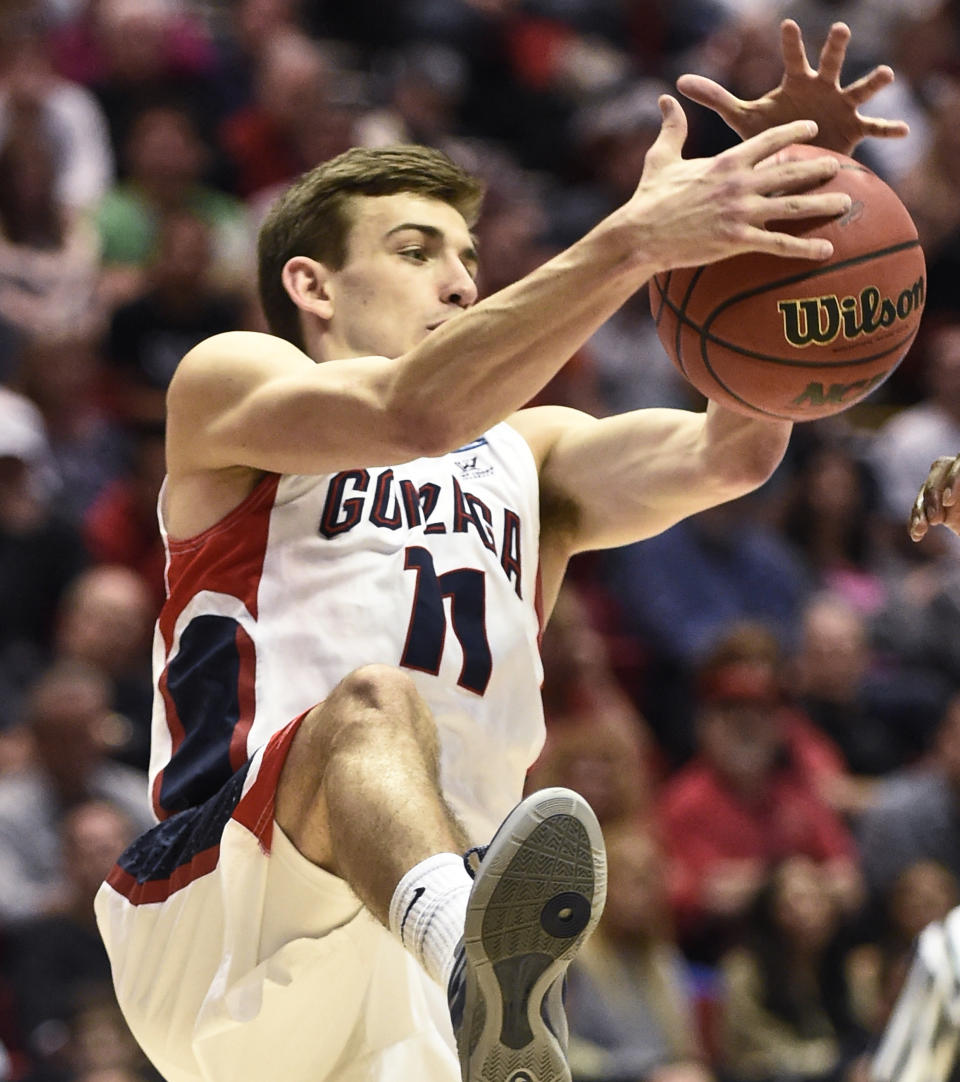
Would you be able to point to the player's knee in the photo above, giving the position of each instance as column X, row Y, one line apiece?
column 372, row 703
column 381, row 689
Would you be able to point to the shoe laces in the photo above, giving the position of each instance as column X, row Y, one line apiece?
column 473, row 858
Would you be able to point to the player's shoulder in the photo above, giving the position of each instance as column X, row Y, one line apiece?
column 237, row 350
column 229, row 364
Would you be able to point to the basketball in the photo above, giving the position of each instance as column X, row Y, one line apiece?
column 801, row 339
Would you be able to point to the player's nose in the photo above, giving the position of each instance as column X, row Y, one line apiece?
column 458, row 286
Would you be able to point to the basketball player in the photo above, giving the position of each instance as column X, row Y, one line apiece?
column 921, row 1038
column 365, row 534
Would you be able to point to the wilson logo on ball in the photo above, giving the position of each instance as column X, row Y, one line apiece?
column 819, row 320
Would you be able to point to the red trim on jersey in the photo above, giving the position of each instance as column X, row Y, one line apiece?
column 159, row 890
column 246, row 698
column 226, row 558
column 256, row 807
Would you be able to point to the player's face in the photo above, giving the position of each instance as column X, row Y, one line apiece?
column 410, row 266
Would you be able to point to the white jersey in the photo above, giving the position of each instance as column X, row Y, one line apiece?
column 431, row 566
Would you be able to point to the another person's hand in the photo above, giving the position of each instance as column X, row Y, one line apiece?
column 805, row 94
column 938, row 501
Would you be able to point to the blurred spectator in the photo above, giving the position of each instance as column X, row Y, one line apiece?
column 424, row 86
column 818, row 761
column 926, row 190
column 99, row 1046
column 787, row 1011
column 270, row 141
column 106, row 620
column 180, row 306
column 631, row 368
column 829, row 514
column 247, row 27
column 610, row 136
column 606, row 760
column 905, row 446
column 739, row 807
column 916, row 812
column 680, row 590
column 49, row 254
column 924, row 891
column 40, row 552
column 921, row 623
column 66, row 709
column 135, row 54
column 54, row 959
column 630, row 998
column 683, row 587
column 62, row 113
column 121, row 526
column 64, row 377
column 579, row 675
column 879, row 715
column 166, row 161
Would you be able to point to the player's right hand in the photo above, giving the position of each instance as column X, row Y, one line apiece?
column 938, row 501
column 687, row 212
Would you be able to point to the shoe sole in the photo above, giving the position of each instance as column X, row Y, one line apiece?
column 538, row 895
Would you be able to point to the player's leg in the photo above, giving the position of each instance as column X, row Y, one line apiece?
column 360, row 796
column 360, row 791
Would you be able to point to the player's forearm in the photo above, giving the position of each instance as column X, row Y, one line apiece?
column 487, row 362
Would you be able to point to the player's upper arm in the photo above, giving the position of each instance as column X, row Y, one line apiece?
column 619, row 479
column 254, row 400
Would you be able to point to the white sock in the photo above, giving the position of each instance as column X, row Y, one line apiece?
column 428, row 909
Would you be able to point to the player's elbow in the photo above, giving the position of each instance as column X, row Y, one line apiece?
column 427, row 429
column 752, row 459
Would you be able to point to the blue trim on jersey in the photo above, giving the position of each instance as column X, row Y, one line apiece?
column 202, row 681
column 175, row 842
column 480, row 441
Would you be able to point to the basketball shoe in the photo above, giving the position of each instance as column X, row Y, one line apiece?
column 538, row 893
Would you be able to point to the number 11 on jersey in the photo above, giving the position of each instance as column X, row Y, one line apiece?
column 466, row 589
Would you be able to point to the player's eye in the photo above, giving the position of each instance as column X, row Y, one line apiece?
column 414, row 252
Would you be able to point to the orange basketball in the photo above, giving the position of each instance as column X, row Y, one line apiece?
column 801, row 339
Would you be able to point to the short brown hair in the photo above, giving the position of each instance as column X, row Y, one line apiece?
column 313, row 218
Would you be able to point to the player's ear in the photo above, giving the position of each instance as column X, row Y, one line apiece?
column 306, row 281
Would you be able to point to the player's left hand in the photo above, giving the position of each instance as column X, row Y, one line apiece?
column 938, row 501
column 805, row 94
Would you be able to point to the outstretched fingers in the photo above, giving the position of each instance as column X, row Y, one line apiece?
column 862, row 89
column 708, row 92
column 791, row 47
column 833, row 54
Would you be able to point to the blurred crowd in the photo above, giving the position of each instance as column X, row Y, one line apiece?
column 762, row 704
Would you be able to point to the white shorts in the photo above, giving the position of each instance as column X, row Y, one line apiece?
column 235, row 959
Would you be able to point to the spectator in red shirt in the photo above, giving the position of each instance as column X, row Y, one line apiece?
column 740, row 806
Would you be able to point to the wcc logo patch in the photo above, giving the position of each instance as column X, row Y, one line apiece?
column 470, row 461
column 472, row 466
